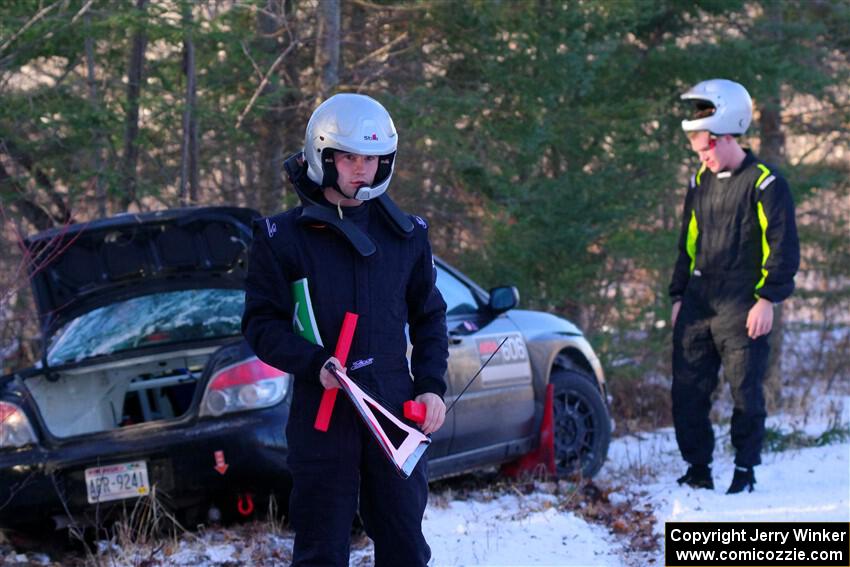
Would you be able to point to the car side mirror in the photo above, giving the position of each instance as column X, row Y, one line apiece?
column 503, row 298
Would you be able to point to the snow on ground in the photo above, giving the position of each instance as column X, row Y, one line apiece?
column 506, row 526
column 807, row 484
column 515, row 530
column 804, row 484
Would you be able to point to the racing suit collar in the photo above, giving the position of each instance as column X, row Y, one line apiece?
column 349, row 211
column 749, row 159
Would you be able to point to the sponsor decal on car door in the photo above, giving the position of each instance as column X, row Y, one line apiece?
column 499, row 406
column 510, row 365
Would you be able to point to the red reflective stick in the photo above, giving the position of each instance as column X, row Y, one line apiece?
column 343, row 345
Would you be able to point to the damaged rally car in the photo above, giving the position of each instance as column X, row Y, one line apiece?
column 145, row 385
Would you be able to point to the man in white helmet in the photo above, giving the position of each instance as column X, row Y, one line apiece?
column 738, row 254
column 359, row 254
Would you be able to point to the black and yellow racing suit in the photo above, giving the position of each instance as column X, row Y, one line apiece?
column 738, row 243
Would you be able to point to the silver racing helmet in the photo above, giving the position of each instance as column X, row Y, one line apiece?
column 719, row 106
column 353, row 123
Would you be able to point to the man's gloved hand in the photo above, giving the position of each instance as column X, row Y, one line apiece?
column 327, row 379
column 435, row 412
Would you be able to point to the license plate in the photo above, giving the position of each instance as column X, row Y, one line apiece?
column 115, row 482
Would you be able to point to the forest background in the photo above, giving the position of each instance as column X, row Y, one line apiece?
column 541, row 139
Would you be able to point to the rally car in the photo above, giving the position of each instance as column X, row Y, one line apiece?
column 145, row 385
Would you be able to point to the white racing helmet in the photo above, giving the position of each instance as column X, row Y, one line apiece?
column 720, row 106
column 356, row 124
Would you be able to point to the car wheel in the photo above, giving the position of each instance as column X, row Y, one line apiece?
column 582, row 425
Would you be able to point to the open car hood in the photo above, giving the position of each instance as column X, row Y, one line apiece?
column 81, row 267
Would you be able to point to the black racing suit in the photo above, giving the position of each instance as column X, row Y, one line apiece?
column 393, row 287
column 738, row 243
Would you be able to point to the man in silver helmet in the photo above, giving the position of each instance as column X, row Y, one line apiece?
column 738, row 254
column 358, row 254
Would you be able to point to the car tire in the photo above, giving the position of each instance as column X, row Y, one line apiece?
column 581, row 422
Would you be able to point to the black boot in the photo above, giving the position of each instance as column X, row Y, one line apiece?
column 698, row 476
column 744, row 478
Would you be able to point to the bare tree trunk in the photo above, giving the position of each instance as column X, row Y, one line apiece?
column 271, row 138
column 326, row 61
column 772, row 150
column 97, row 160
column 276, row 122
column 34, row 214
column 251, row 198
column 189, row 149
column 26, row 160
column 294, row 119
column 194, row 154
column 131, row 129
column 230, row 187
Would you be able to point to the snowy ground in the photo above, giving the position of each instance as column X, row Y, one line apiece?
column 516, row 529
column 807, row 484
column 551, row 523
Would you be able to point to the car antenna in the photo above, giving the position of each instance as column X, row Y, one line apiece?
column 468, row 384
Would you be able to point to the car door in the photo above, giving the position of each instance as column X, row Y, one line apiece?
column 498, row 407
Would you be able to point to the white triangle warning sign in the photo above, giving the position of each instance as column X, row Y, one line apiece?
column 403, row 445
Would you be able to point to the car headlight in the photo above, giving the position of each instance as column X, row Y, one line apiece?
column 250, row 384
column 15, row 428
